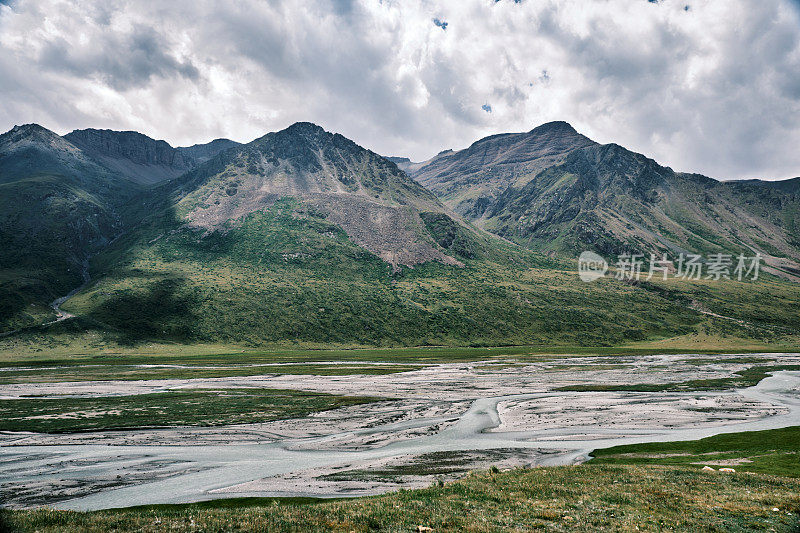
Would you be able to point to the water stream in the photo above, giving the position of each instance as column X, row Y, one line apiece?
column 222, row 466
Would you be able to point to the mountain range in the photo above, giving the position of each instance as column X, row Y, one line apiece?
column 63, row 199
column 141, row 159
column 303, row 236
column 554, row 190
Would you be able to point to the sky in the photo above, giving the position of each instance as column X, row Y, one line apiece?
column 708, row 86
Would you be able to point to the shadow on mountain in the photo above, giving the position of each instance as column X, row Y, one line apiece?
column 152, row 305
column 161, row 311
column 12, row 304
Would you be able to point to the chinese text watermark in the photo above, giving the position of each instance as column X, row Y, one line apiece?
column 628, row 266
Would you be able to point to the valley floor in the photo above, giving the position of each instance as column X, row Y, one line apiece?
column 361, row 428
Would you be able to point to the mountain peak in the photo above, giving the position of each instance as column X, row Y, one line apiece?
column 305, row 128
column 378, row 206
column 28, row 131
column 28, row 135
column 31, row 149
column 557, row 126
column 289, row 137
column 471, row 179
column 29, row 128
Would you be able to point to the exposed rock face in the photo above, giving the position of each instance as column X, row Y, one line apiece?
column 368, row 196
column 395, row 235
column 131, row 154
column 131, row 145
column 470, row 180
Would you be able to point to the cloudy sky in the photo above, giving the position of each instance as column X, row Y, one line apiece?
column 710, row 86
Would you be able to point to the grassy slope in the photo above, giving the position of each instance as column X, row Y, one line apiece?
column 52, row 219
column 44, row 222
column 775, row 451
column 287, row 276
column 584, row 498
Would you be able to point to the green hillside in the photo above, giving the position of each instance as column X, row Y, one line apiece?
column 57, row 208
column 62, row 202
column 303, row 238
column 287, row 275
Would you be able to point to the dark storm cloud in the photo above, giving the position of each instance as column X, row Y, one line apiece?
column 122, row 61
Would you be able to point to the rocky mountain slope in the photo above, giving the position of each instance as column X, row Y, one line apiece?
column 471, row 179
column 140, row 158
column 30, row 150
column 554, row 190
column 376, row 204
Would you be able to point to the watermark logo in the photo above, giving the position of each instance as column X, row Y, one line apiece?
column 591, row 266
column 628, row 266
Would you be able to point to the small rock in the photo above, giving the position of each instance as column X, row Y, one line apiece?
column 775, row 509
column 708, row 469
column 423, row 529
column 727, row 470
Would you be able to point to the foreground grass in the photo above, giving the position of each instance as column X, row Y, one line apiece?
column 774, row 451
column 584, row 498
column 168, row 409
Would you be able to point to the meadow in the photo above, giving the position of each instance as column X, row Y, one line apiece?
column 775, row 451
column 583, row 498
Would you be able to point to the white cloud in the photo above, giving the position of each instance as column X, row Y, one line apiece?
column 713, row 89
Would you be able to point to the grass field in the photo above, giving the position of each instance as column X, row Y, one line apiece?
column 167, row 409
column 226, row 354
column 775, row 451
column 584, row 498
